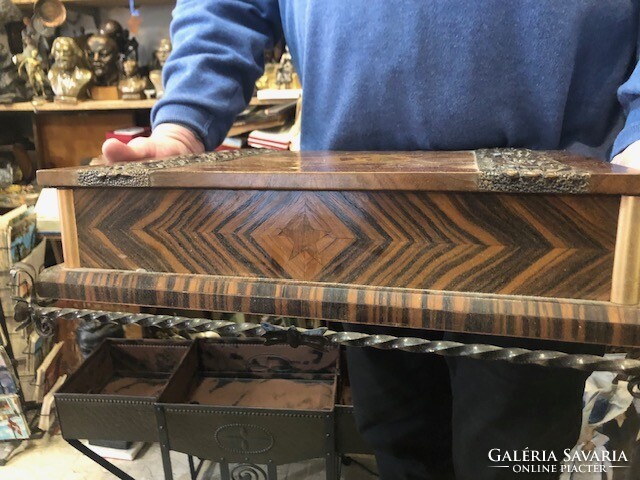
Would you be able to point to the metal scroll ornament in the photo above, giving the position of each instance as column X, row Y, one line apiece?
column 248, row 471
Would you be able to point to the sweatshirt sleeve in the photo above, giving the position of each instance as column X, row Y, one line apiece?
column 629, row 96
column 218, row 54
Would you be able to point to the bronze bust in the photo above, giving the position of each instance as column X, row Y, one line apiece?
column 113, row 29
column 67, row 77
column 103, row 55
column 132, row 86
column 163, row 52
column 160, row 55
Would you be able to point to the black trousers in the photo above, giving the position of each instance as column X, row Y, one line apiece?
column 428, row 417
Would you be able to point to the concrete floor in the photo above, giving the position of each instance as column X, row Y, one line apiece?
column 53, row 459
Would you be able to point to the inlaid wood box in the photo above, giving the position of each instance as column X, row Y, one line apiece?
column 509, row 242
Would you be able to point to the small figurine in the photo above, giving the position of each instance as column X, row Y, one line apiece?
column 285, row 72
column 30, row 38
column 68, row 79
column 132, row 86
column 268, row 79
column 102, row 52
column 32, row 64
column 156, row 79
column 161, row 55
column 131, row 48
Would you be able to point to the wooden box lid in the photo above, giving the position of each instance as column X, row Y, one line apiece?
column 492, row 170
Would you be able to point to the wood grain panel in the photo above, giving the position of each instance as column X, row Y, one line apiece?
column 546, row 245
column 553, row 319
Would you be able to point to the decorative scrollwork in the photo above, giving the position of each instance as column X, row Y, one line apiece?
column 248, row 471
column 45, row 327
column 137, row 174
column 527, row 171
column 634, row 387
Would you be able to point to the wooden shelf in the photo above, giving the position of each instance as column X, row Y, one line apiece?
column 87, row 105
column 100, row 105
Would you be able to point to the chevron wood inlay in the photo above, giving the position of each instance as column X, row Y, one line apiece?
column 546, row 245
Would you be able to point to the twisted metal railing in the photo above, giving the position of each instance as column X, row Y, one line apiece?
column 45, row 318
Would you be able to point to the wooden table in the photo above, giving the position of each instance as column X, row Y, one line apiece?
column 507, row 242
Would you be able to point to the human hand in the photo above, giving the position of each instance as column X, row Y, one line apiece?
column 629, row 157
column 166, row 140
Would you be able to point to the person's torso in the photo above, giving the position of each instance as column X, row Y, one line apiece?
column 460, row 74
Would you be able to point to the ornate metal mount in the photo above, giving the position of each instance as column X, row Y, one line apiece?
column 46, row 317
column 137, row 174
column 527, row 171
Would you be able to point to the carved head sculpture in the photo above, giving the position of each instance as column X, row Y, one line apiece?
column 102, row 52
column 163, row 51
column 66, row 54
column 67, row 75
column 113, row 29
column 130, row 67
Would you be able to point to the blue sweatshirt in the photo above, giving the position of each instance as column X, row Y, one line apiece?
column 417, row 74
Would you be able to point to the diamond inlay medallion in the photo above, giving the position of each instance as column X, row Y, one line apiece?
column 303, row 237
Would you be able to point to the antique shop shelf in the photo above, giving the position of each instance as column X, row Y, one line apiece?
column 100, row 105
column 88, row 105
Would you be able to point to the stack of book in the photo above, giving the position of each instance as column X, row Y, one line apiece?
column 276, row 139
column 263, row 127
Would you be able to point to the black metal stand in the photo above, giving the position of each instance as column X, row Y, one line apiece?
column 193, row 470
column 164, row 445
column 318, row 338
column 87, row 452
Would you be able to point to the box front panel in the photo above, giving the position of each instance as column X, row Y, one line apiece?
column 543, row 245
column 235, row 434
column 102, row 419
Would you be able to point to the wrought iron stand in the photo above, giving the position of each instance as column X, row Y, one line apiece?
column 44, row 319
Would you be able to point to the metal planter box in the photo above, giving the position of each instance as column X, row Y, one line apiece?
column 112, row 395
column 245, row 401
column 240, row 403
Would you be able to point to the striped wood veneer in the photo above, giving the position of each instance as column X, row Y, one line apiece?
column 583, row 321
column 543, row 245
